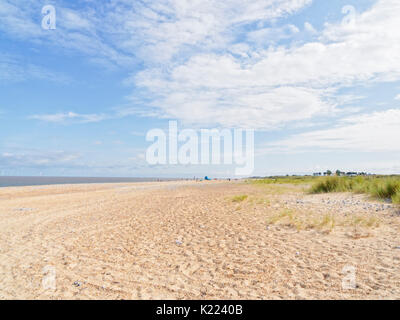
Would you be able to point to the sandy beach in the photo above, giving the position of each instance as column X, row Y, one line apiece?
column 195, row 240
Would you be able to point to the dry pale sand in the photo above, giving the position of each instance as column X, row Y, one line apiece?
column 191, row 240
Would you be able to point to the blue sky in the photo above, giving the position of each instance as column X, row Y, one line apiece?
column 319, row 85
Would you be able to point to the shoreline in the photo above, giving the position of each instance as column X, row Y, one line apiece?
column 30, row 181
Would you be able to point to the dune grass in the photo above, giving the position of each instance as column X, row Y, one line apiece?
column 322, row 222
column 379, row 187
column 283, row 180
column 240, row 198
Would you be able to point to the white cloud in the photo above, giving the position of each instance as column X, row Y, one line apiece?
column 16, row 18
column 117, row 31
column 13, row 69
column 197, row 72
column 69, row 117
column 397, row 97
column 239, row 106
column 72, row 20
column 169, row 27
column 75, row 30
column 35, row 159
column 309, row 28
column 374, row 132
column 252, row 90
column 17, row 161
column 265, row 36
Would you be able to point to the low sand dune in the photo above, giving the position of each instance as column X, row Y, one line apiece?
column 194, row 240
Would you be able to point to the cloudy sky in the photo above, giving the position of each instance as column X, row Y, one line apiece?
column 318, row 80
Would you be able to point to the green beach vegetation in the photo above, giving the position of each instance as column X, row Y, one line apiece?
column 378, row 186
column 283, row 180
column 239, row 198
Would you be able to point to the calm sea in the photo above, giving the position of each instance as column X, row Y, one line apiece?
column 40, row 181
